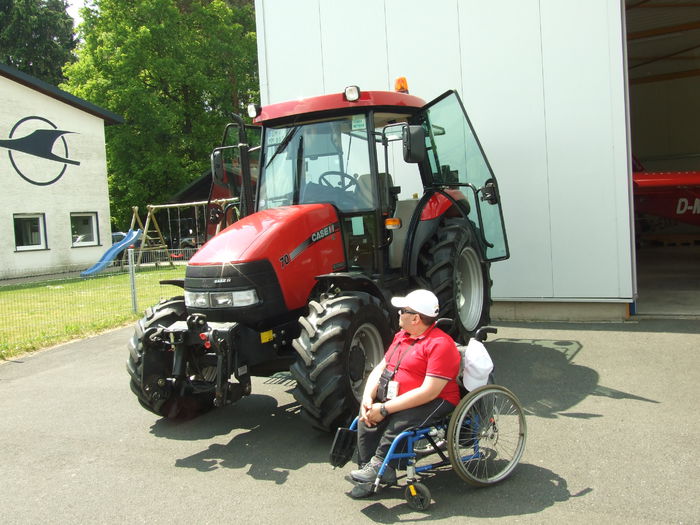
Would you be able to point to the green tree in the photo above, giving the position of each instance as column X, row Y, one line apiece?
column 175, row 70
column 36, row 37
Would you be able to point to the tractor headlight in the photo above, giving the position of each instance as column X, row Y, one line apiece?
column 221, row 299
column 197, row 299
column 244, row 297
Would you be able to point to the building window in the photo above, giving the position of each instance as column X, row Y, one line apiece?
column 30, row 231
column 83, row 227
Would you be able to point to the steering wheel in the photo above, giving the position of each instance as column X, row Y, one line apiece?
column 344, row 177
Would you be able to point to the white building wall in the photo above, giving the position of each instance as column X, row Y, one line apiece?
column 81, row 188
column 544, row 84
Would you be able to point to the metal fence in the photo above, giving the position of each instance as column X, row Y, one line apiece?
column 43, row 310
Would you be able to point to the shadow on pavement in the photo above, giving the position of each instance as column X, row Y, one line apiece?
column 544, row 377
column 529, row 490
column 638, row 324
column 262, row 429
column 243, row 414
column 541, row 373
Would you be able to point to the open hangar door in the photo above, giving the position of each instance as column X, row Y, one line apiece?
column 663, row 56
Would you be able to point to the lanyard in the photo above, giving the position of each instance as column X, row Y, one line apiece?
column 401, row 356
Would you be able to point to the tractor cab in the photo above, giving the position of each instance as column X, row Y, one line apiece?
column 342, row 160
column 377, row 157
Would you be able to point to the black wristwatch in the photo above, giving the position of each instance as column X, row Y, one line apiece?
column 383, row 411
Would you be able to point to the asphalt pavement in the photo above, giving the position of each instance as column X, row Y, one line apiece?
column 613, row 428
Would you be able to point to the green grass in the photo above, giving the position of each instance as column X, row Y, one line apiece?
column 41, row 314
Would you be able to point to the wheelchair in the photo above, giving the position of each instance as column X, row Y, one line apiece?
column 484, row 439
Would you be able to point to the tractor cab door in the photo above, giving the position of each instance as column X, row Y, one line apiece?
column 457, row 161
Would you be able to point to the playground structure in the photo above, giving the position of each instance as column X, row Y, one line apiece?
column 198, row 228
column 113, row 252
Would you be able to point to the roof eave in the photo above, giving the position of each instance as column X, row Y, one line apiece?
column 58, row 94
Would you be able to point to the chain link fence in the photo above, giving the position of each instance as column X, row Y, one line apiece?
column 44, row 310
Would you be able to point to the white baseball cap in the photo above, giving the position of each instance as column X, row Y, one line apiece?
column 421, row 301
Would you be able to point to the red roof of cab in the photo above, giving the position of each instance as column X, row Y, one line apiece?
column 336, row 101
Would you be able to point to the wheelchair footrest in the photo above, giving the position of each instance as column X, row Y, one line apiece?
column 362, row 490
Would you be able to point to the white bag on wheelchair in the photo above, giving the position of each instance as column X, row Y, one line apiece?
column 476, row 364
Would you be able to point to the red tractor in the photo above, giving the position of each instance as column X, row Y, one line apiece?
column 352, row 198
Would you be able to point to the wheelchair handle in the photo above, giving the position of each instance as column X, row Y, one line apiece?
column 444, row 321
column 482, row 333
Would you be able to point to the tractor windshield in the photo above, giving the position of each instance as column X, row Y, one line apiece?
column 326, row 161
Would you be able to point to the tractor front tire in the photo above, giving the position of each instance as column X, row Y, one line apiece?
column 342, row 339
column 451, row 266
column 151, row 356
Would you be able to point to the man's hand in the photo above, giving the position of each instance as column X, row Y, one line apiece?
column 365, row 407
column 374, row 415
column 370, row 391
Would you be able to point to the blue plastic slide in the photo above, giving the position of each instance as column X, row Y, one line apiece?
column 131, row 237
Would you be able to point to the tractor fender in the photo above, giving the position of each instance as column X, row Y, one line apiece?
column 448, row 202
column 356, row 282
column 434, row 205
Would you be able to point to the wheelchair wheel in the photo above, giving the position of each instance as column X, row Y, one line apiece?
column 486, row 435
column 417, row 496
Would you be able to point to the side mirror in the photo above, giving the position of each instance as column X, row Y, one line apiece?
column 413, row 138
column 217, row 168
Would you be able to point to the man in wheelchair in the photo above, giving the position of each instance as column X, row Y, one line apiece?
column 414, row 385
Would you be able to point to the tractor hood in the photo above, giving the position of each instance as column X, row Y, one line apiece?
column 295, row 244
column 270, row 234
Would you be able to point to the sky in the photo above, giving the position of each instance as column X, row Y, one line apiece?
column 73, row 6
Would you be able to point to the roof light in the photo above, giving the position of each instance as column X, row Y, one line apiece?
column 352, row 93
column 254, row 110
column 401, row 85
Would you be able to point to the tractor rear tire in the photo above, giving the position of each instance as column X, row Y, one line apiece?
column 451, row 266
column 154, row 397
column 342, row 339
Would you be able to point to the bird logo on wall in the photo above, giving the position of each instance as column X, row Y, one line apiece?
column 31, row 139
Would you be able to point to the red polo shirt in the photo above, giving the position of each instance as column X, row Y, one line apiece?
column 433, row 353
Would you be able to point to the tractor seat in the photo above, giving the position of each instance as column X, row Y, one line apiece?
column 365, row 190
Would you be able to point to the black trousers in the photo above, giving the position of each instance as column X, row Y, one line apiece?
column 375, row 441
